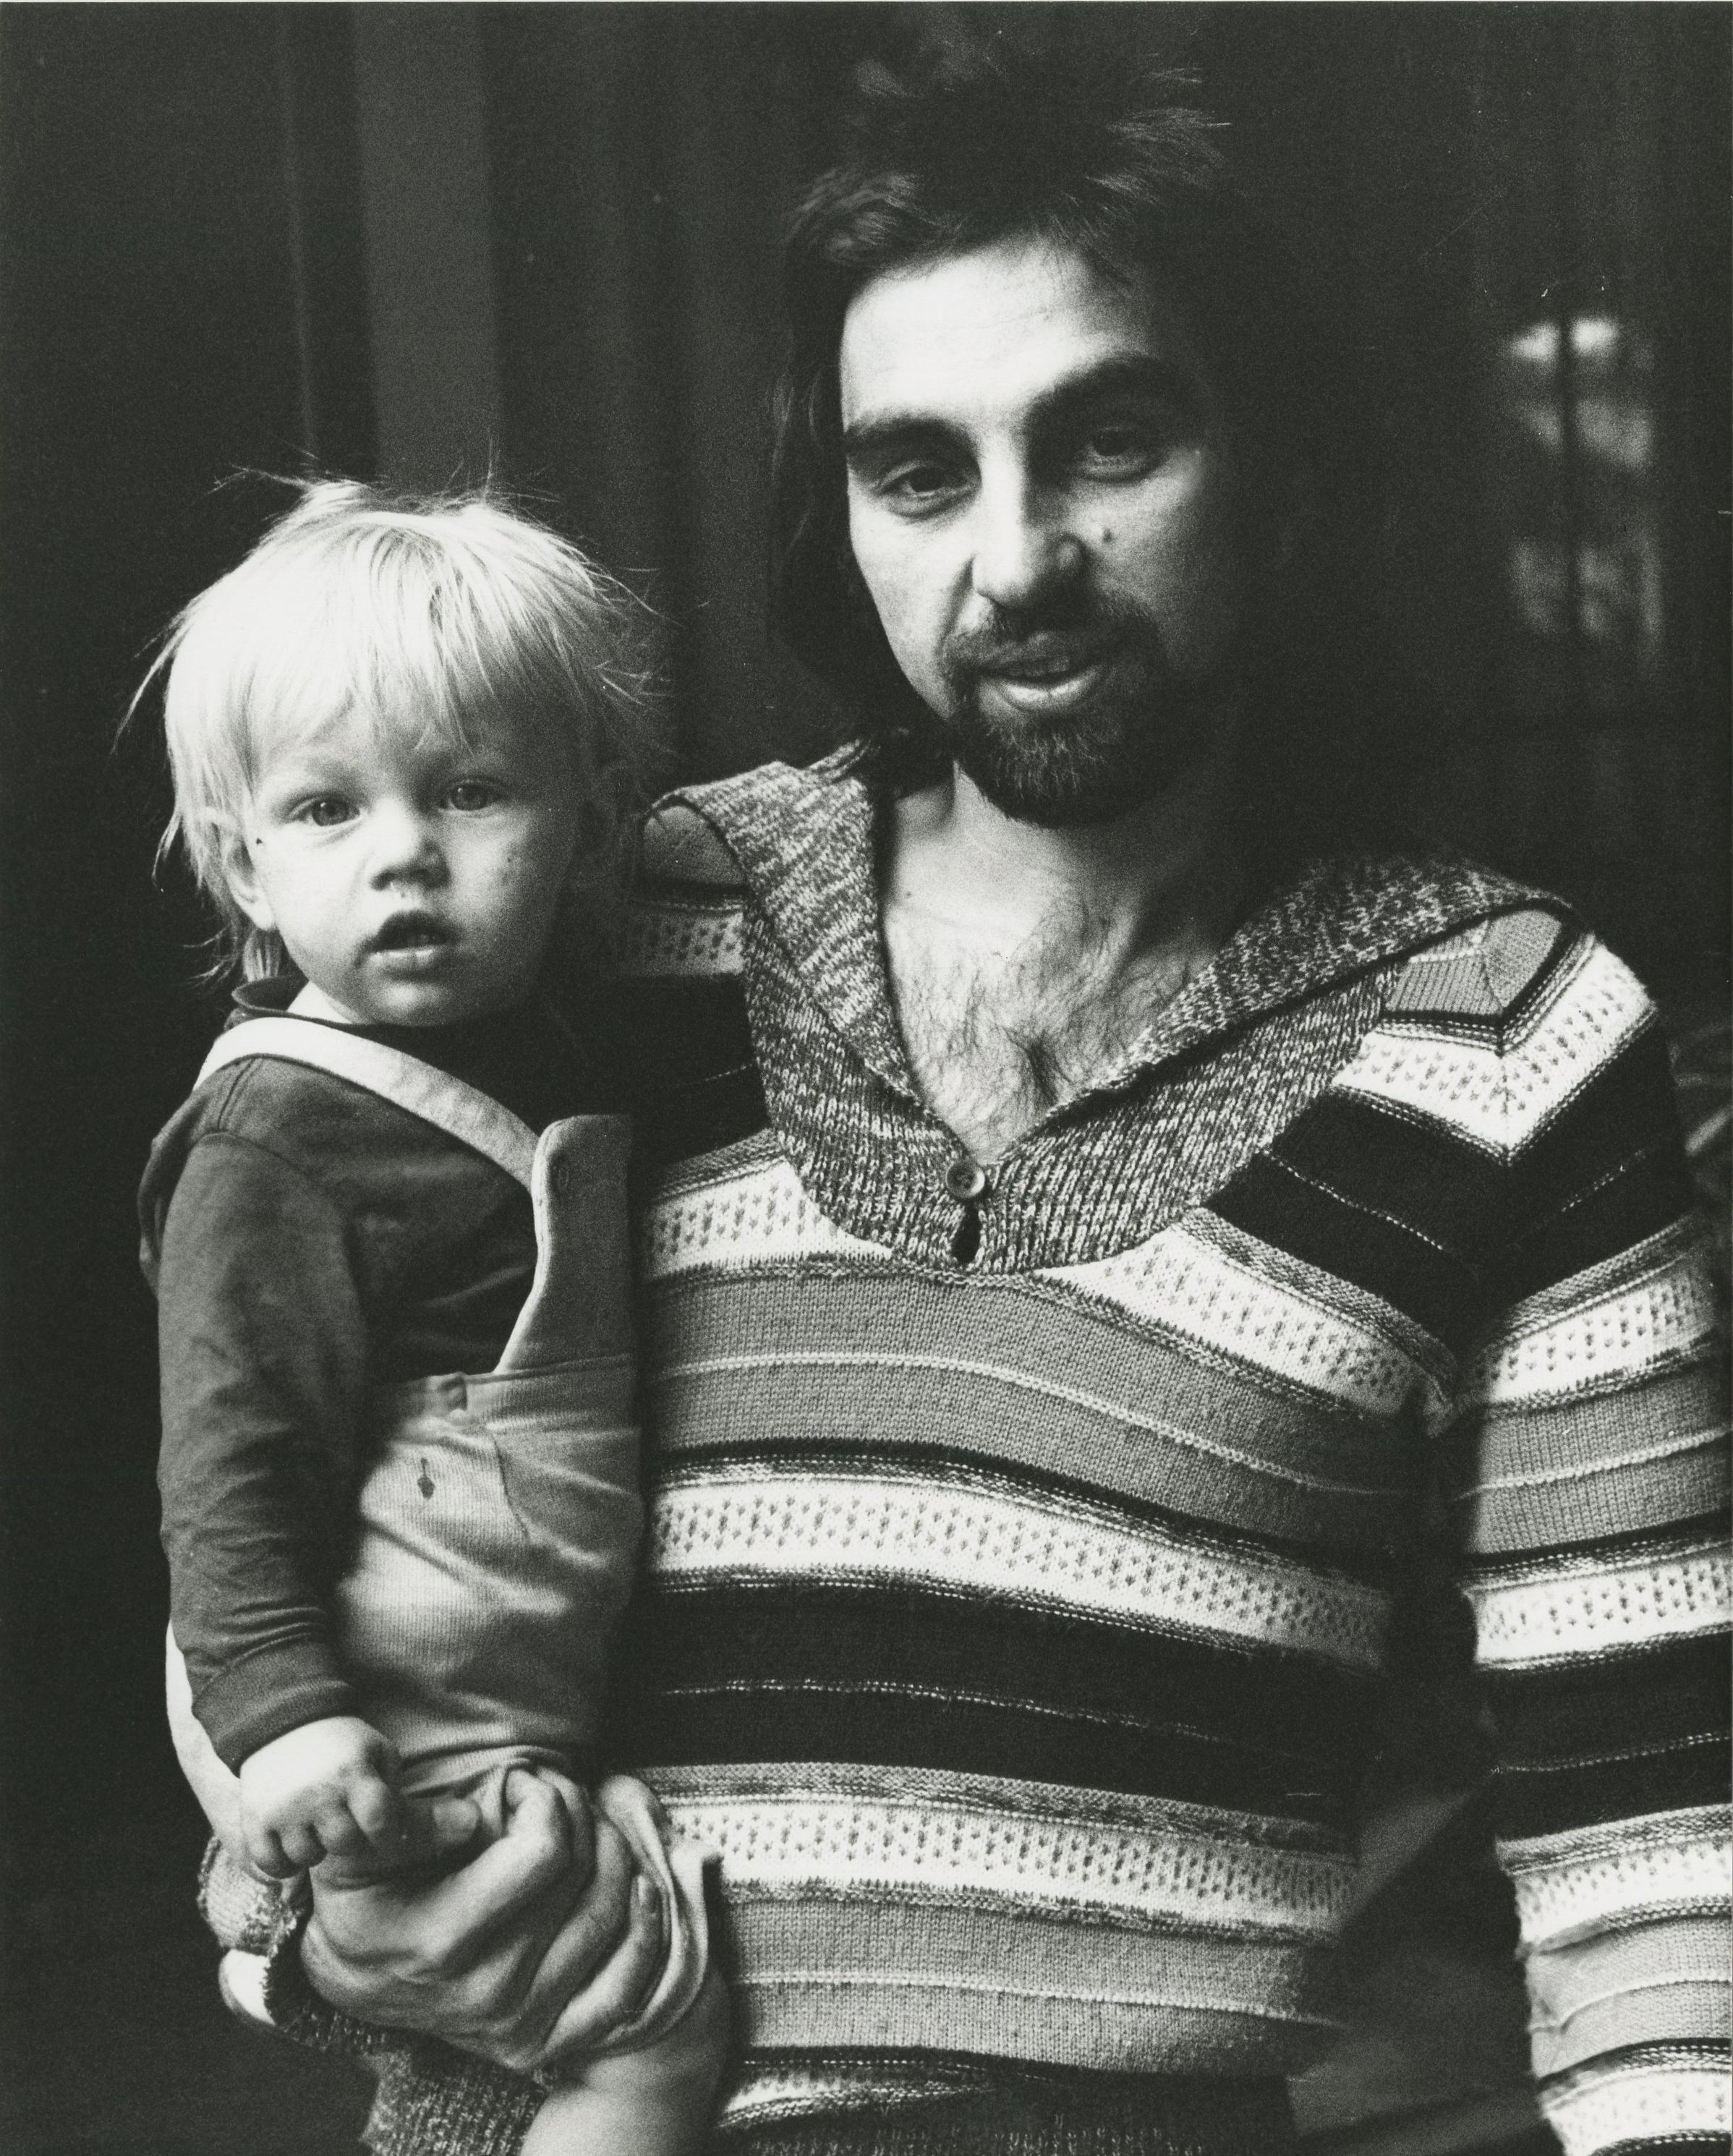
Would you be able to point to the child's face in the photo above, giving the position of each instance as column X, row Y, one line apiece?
column 413, row 880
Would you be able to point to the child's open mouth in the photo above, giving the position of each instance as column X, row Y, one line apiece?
column 410, row 932
column 411, row 943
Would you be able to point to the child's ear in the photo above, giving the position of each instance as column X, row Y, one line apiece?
column 242, row 878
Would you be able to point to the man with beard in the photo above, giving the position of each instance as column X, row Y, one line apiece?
column 1041, row 506
column 1091, row 1199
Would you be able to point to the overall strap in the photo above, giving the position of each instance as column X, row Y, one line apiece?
column 463, row 1112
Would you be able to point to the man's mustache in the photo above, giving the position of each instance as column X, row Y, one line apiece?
column 1054, row 637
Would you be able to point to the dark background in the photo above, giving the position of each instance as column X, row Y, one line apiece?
column 417, row 241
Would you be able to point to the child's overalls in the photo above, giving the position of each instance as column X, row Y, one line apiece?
column 498, row 1524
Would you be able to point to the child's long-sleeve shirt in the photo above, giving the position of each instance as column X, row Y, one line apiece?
column 309, row 1242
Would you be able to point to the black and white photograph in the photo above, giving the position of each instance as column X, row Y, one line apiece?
column 866, row 1078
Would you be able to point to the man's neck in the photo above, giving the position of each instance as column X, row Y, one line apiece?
column 1163, row 874
column 1025, row 961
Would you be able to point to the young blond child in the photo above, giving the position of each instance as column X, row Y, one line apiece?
column 387, row 1231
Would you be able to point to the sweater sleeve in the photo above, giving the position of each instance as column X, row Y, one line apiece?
column 262, row 1356
column 1586, row 1463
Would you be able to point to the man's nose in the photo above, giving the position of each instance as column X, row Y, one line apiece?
column 405, row 845
column 1025, row 547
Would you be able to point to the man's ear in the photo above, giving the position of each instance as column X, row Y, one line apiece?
column 241, row 875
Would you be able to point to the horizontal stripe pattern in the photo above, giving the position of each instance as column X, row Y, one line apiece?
column 774, row 2085
column 1654, row 1698
column 1189, row 1284
column 1506, row 1449
column 1678, row 1475
column 1123, row 2035
column 1647, row 1310
column 1294, row 1205
column 1410, row 1175
column 1058, row 1860
column 1615, row 1781
column 1606, row 1177
column 1095, row 2111
column 760, row 1671
column 975, row 1731
column 998, row 1981
column 779, row 1779
column 1599, row 1735
column 1675, row 2008
column 756, row 1212
column 1667, row 1978
column 748, row 1206
column 976, row 1537
column 883, row 1946
column 1654, row 2094
column 1016, row 1373
column 1551, row 1615
column 1499, row 1095
column 1012, row 1626
column 1599, row 1408
column 1569, row 1886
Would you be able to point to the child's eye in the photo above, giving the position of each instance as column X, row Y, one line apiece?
column 469, row 795
column 326, row 809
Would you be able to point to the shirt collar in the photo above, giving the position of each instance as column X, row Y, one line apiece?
column 804, row 841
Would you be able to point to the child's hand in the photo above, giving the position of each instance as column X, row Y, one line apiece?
column 329, row 1788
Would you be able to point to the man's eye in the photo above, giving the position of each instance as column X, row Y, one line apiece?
column 918, row 486
column 469, row 794
column 325, row 810
column 1119, row 446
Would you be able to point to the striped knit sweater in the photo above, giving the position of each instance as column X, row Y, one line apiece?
column 1020, row 1565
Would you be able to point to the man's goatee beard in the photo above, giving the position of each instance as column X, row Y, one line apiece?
column 1144, row 733
column 1091, row 769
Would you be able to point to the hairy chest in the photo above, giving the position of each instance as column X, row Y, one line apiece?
column 998, row 1039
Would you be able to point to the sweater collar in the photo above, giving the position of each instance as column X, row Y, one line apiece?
column 804, row 841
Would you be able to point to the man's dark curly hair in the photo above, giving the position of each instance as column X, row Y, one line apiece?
column 1123, row 168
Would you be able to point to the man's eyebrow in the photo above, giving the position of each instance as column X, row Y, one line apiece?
column 1125, row 374
column 887, row 433
column 1121, row 374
